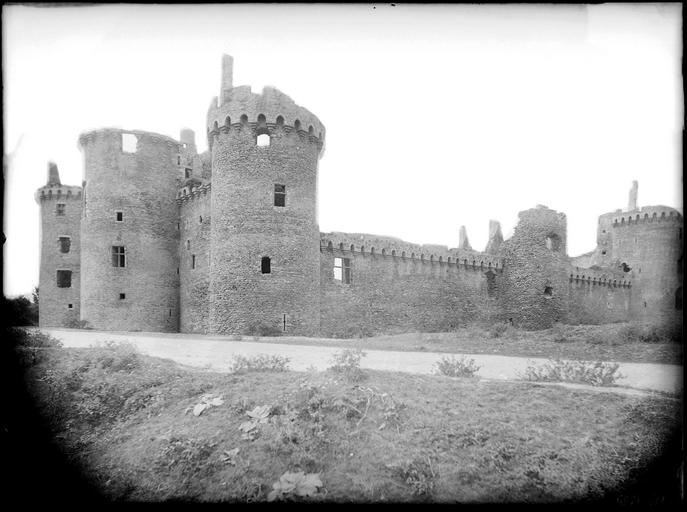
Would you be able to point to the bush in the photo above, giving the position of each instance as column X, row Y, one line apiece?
column 32, row 346
column 347, row 363
column 75, row 323
column 582, row 372
column 264, row 330
column 19, row 311
column 259, row 363
column 454, row 367
column 650, row 333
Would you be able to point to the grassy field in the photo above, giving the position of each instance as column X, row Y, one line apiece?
column 127, row 422
column 623, row 342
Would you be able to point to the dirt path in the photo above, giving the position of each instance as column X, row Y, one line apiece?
column 215, row 353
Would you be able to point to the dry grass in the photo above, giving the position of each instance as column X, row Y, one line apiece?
column 622, row 342
column 395, row 437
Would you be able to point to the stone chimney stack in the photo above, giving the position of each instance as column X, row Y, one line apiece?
column 495, row 237
column 463, row 242
column 53, row 174
column 227, row 77
column 632, row 203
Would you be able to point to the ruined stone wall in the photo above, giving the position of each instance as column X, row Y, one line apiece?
column 399, row 288
column 194, row 241
column 142, row 185
column 247, row 226
column 535, row 270
column 55, row 310
column 598, row 296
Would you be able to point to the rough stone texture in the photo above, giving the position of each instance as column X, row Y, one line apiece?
column 195, row 240
column 246, row 224
column 143, row 185
column 389, row 294
column 219, row 206
column 54, row 308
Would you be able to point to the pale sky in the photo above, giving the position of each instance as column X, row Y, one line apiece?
column 436, row 116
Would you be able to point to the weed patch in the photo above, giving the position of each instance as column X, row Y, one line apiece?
column 259, row 363
column 347, row 363
column 582, row 372
column 456, row 367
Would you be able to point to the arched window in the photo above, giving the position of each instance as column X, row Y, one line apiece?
column 330, row 246
column 227, row 122
column 548, row 292
column 297, row 124
column 280, row 121
column 244, row 119
column 266, row 265
column 311, row 130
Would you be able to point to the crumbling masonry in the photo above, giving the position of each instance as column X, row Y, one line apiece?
column 162, row 238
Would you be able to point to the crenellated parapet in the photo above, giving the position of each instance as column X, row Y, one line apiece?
column 644, row 215
column 58, row 192
column 599, row 277
column 190, row 193
column 389, row 247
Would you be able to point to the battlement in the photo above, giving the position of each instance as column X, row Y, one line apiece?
column 599, row 277
column 156, row 138
column 189, row 193
column 644, row 215
column 58, row 192
column 389, row 247
column 263, row 113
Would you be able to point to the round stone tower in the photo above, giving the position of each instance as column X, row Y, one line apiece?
column 264, row 240
column 535, row 270
column 129, row 231
column 59, row 279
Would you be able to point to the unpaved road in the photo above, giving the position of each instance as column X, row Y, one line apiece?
column 215, row 353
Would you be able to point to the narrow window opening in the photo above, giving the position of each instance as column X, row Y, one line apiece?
column 193, row 261
column 548, row 292
column 65, row 244
column 60, row 209
column 118, row 256
column 284, row 324
column 119, row 216
column 122, row 296
column 178, row 159
column 603, row 253
column 70, row 306
column 263, row 140
column 129, row 141
column 170, row 312
column 187, row 172
column 64, row 278
column 188, row 245
column 279, row 195
column 200, row 219
column 265, row 265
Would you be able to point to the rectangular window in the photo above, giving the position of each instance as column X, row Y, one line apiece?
column 119, row 216
column 60, row 209
column 187, row 173
column 64, row 278
column 342, row 270
column 65, row 244
column 129, row 141
column 118, row 256
column 122, row 296
column 70, row 306
column 279, row 195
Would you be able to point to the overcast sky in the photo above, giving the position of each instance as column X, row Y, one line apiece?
column 436, row 116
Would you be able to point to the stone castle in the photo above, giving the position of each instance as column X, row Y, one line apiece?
column 162, row 238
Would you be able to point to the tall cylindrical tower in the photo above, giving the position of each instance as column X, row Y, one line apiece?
column 129, row 231
column 264, row 241
column 59, row 281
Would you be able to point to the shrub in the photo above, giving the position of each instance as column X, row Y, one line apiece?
column 259, row 363
column 347, row 363
column 19, row 311
column 650, row 333
column 32, row 346
column 418, row 475
column 75, row 323
column 456, row 367
column 264, row 330
column 582, row 372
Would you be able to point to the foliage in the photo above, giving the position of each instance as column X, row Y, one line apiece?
column 259, row 363
column 456, row 367
column 498, row 330
column 32, row 346
column 75, row 323
column 418, row 474
column 582, row 372
column 19, row 311
column 347, row 363
column 295, row 484
column 635, row 332
column 191, row 457
column 263, row 329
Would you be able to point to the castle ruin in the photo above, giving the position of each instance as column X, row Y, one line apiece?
column 162, row 238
